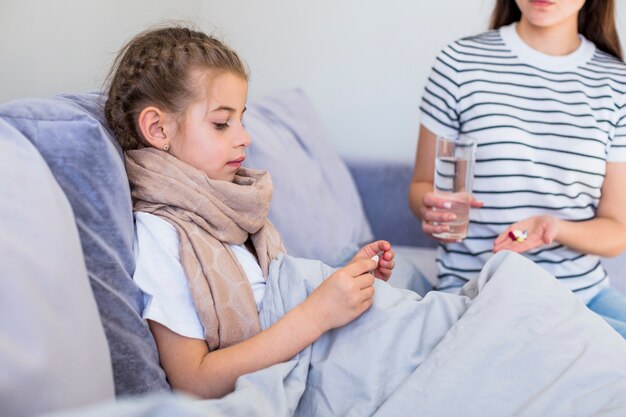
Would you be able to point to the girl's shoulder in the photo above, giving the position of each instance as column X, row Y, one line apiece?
column 154, row 231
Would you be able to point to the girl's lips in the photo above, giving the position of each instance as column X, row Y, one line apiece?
column 237, row 162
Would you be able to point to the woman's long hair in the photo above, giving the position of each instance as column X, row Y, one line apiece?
column 596, row 21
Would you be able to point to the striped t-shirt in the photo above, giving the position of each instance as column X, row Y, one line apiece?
column 545, row 126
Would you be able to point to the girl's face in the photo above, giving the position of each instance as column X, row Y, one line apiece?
column 210, row 136
column 547, row 13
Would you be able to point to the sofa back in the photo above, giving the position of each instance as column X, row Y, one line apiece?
column 316, row 206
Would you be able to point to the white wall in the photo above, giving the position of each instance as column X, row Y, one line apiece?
column 362, row 62
column 59, row 46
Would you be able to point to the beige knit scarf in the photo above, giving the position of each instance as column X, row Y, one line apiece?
column 209, row 215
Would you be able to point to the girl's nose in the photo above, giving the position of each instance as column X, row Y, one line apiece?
column 244, row 138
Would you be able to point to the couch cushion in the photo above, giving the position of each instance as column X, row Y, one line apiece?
column 68, row 131
column 54, row 351
column 383, row 185
column 315, row 206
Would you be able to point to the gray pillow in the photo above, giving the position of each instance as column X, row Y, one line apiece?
column 54, row 351
column 316, row 206
column 69, row 133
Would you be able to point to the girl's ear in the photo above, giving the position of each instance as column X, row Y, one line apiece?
column 152, row 127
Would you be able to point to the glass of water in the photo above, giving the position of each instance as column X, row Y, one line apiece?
column 454, row 175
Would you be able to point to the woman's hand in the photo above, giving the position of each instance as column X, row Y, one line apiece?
column 386, row 262
column 542, row 230
column 434, row 215
column 343, row 296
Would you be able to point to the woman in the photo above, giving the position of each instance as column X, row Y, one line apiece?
column 544, row 94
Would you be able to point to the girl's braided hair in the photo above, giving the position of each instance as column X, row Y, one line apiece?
column 154, row 68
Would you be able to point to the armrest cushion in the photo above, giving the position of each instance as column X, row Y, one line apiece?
column 54, row 351
column 70, row 133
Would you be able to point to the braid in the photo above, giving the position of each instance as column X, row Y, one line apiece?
column 153, row 69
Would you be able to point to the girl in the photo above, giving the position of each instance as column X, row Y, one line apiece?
column 176, row 102
column 544, row 93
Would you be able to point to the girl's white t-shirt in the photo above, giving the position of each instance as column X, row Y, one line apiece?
column 161, row 278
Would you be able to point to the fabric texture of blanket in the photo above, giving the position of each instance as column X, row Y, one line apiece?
column 516, row 343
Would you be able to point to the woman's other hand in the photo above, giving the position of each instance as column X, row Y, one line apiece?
column 541, row 231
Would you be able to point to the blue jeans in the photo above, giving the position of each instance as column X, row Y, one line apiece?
column 610, row 304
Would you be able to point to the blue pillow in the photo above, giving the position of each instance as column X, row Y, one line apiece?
column 70, row 133
column 316, row 206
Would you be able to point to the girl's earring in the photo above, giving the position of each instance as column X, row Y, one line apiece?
column 166, row 147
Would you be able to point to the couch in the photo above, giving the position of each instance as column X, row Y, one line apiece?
column 71, row 326
column 71, row 312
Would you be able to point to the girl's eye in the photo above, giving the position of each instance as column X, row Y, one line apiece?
column 220, row 126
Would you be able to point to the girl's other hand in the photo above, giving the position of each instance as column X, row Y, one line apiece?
column 386, row 262
column 435, row 216
column 542, row 230
column 343, row 296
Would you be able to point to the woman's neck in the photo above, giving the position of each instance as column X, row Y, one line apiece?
column 558, row 40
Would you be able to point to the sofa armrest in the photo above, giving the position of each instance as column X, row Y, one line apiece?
column 383, row 187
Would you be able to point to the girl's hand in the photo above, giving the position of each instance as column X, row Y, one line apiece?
column 435, row 216
column 343, row 296
column 542, row 230
column 385, row 262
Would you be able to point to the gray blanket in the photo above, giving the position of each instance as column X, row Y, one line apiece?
column 516, row 343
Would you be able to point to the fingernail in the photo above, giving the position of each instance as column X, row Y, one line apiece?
column 447, row 205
